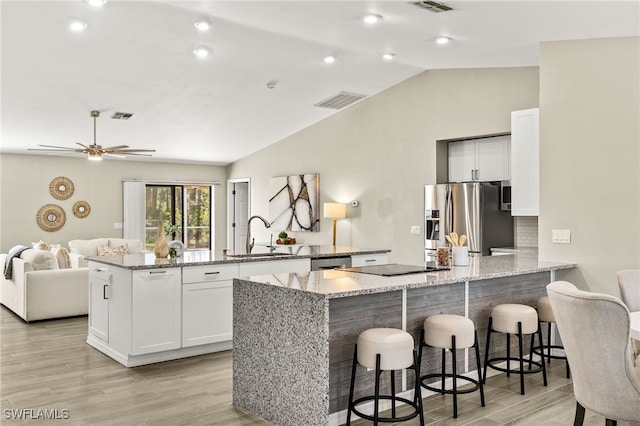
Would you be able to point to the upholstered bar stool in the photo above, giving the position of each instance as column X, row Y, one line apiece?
column 545, row 315
column 450, row 332
column 385, row 349
column 519, row 320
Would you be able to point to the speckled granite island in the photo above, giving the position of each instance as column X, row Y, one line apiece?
column 294, row 333
column 144, row 310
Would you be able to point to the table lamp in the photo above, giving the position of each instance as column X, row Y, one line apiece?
column 335, row 211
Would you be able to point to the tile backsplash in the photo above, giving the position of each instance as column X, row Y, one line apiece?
column 526, row 231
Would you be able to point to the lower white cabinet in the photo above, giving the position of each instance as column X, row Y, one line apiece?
column 99, row 293
column 369, row 259
column 156, row 303
column 207, row 304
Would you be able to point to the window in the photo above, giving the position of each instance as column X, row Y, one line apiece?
column 184, row 210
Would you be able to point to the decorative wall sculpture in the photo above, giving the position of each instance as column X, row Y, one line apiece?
column 61, row 188
column 51, row 217
column 81, row 209
column 294, row 204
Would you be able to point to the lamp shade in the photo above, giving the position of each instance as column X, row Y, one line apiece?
column 335, row 210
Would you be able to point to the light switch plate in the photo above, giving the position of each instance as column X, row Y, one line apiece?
column 561, row 236
column 415, row 230
column 117, row 225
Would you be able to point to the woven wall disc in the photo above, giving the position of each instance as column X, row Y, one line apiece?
column 81, row 209
column 61, row 188
column 50, row 217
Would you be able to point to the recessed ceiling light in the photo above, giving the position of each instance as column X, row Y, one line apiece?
column 77, row 26
column 443, row 40
column 95, row 3
column 202, row 24
column 388, row 56
column 329, row 59
column 371, row 18
column 201, row 52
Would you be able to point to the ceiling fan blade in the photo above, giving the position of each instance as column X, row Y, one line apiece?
column 128, row 153
column 131, row 151
column 58, row 147
column 83, row 145
column 114, row 155
column 114, row 148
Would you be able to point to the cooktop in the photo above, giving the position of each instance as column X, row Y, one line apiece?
column 392, row 269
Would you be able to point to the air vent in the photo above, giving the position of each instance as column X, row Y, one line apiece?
column 122, row 115
column 341, row 100
column 433, row 6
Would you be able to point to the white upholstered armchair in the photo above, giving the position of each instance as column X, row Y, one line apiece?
column 594, row 329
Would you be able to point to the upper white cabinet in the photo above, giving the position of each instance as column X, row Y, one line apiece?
column 482, row 159
column 525, row 162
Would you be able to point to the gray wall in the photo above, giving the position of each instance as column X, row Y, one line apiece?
column 382, row 152
column 24, row 186
column 590, row 157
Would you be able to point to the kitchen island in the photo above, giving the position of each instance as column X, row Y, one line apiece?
column 144, row 310
column 294, row 334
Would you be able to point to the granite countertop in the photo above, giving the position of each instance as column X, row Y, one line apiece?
column 336, row 283
column 258, row 254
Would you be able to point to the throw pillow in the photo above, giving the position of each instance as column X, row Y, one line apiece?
column 40, row 259
column 62, row 256
column 40, row 245
column 112, row 251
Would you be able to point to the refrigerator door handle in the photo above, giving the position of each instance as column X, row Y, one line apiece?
column 448, row 212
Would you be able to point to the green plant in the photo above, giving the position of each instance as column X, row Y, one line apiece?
column 282, row 235
column 170, row 229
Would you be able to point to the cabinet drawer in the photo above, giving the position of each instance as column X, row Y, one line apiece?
column 99, row 271
column 369, row 259
column 197, row 274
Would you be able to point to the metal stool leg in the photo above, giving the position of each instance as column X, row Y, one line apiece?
column 520, row 352
column 376, row 402
column 418, row 390
column 508, row 355
column 480, row 385
column 453, row 376
column 353, row 381
column 486, row 351
column 393, row 393
column 544, row 368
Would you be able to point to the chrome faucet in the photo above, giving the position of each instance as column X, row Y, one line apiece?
column 250, row 241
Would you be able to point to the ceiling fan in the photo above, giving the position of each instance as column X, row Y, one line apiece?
column 95, row 151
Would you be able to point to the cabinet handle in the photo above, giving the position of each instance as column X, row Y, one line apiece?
column 369, row 260
column 212, row 273
column 157, row 272
column 99, row 270
column 104, row 291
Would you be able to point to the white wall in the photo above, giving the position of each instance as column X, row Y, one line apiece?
column 590, row 157
column 24, row 185
column 382, row 152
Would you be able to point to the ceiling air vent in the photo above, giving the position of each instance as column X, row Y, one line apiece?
column 122, row 115
column 433, row 6
column 341, row 100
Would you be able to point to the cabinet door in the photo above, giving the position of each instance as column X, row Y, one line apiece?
column 461, row 161
column 369, row 259
column 156, row 310
column 525, row 160
column 493, row 158
column 207, row 312
column 99, row 293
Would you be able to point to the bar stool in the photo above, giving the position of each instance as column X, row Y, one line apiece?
column 519, row 320
column 545, row 314
column 385, row 349
column 451, row 332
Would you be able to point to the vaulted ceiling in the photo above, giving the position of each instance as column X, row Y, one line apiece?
column 265, row 70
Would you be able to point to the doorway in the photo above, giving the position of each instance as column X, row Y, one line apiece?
column 238, row 191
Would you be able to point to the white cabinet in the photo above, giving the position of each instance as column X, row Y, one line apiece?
column 207, row 304
column 156, row 296
column 525, row 162
column 275, row 267
column 369, row 259
column 99, row 294
column 484, row 159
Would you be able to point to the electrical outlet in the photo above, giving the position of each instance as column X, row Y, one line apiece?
column 117, row 225
column 415, row 230
column 561, row 236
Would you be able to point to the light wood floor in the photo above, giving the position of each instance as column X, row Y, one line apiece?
column 48, row 365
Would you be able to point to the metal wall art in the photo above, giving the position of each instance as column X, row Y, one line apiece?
column 81, row 209
column 51, row 217
column 294, row 204
column 61, row 188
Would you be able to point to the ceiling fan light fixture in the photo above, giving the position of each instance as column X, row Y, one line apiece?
column 77, row 26
column 388, row 56
column 201, row 52
column 443, row 40
column 329, row 59
column 371, row 18
column 94, row 156
column 95, row 3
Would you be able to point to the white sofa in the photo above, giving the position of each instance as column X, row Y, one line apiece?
column 38, row 289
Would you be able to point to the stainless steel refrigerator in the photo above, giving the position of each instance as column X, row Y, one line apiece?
column 471, row 209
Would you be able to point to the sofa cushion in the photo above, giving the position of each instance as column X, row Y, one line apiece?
column 62, row 256
column 41, row 245
column 133, row 246
column 40, row 259
column 112, row 251
column 87, row 247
